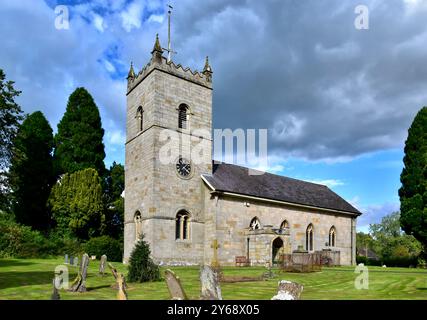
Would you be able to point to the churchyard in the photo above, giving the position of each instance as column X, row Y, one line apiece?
column 31, row 279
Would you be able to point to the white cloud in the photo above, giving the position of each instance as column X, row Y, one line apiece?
column 132, row 16
column 156, row 18
column 98, row 22
column 331, row 183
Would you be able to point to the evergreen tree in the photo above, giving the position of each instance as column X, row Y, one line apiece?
column 76, row 204
column 78, row 143
column 10, row 116
column 413, row 193
column 31, row 173
column 114, row 214
column 141, row 266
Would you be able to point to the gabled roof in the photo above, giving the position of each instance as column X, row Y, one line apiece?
column 235, row 179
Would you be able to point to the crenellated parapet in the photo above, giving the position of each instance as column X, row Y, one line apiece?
column 159, row 62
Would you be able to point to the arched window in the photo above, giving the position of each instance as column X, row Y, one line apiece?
column 309, row 238
column 138, row 225
column 284, row 225
column 255, row 224
column 332, row 236
column 140, row 118
column 182, row 116
column 182, row 225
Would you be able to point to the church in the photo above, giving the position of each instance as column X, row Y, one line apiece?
column 203, row 212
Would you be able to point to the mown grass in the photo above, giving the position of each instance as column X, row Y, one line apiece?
column 22, row 279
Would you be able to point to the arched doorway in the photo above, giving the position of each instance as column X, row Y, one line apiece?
column 277, row 250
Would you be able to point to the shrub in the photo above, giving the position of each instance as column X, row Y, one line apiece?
column 141, row 266
column 98, row 246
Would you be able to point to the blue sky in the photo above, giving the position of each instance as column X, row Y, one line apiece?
column 337, row 101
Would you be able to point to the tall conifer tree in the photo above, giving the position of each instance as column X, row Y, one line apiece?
column 31, row 172
column 413, row 193
column 78, row 143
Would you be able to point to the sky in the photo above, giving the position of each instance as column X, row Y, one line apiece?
column 337, row 100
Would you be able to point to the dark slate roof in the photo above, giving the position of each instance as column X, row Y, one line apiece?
column 235, row 179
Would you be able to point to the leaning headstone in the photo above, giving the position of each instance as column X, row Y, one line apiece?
column 288, row 291
column 55, row 293
column 174, row 286
column 209, row 281
column 102, row 264
column 66, row 259
column 116, row 276
column 121, row 294
column 79, row 284
column 72, row 260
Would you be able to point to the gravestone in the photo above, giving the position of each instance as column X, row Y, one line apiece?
column 174, row 286
column 76, row 261
column 288, row 291
column 102, row 264
column 71, row 260
column 209, row 281
column 66, row 259
column 121, row 294
column 116, row 276
column 79, row 284
column 55, row 293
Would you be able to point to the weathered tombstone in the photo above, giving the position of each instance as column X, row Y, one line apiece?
column 288, row 291
column 76, row 261
column 55, row 294
column 121, row 294
column 71, row 260
column 174, row 286
column 102, row 264
column 209, row 280
column 116, row 276
column 79, row 284
column 66, row 259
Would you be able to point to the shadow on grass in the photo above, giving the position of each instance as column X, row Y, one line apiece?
column 99, row 287
column 19, row 279
column 14, row 263
column 422, row 289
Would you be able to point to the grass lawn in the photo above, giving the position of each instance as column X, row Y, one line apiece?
column 32, row 279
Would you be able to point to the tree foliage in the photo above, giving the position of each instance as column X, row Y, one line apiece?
column 31, row 172
column 141, row 266
column 413, row 193
column 76, row 203
column 114, row 213
column 10, row 117
column 78, row 144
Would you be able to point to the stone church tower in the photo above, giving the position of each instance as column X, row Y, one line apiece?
column 169, row 117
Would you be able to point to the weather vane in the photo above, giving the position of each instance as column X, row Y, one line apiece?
column 169, row 49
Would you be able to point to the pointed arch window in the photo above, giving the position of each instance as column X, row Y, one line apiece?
column 332, row 236
column 138, row 225
column 309, row 238
column 182, row 225
column 183, row 116
column 140, row 118
column 255, row 224
column 284, row 225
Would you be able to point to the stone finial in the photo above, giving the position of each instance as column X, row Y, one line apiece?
column 157, row 47
column 131, row 74
column 207, row 68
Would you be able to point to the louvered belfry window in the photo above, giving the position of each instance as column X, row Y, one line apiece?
column 182, row 116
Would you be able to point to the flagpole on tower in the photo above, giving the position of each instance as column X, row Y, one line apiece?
column 169, row 49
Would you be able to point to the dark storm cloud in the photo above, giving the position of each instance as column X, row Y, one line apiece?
column 324, row 89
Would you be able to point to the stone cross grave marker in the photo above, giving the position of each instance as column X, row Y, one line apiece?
column 102, row 264
column 288, row 290
column 79, row 284
column 215, row 247
column 174, row 286
column 209, row 281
